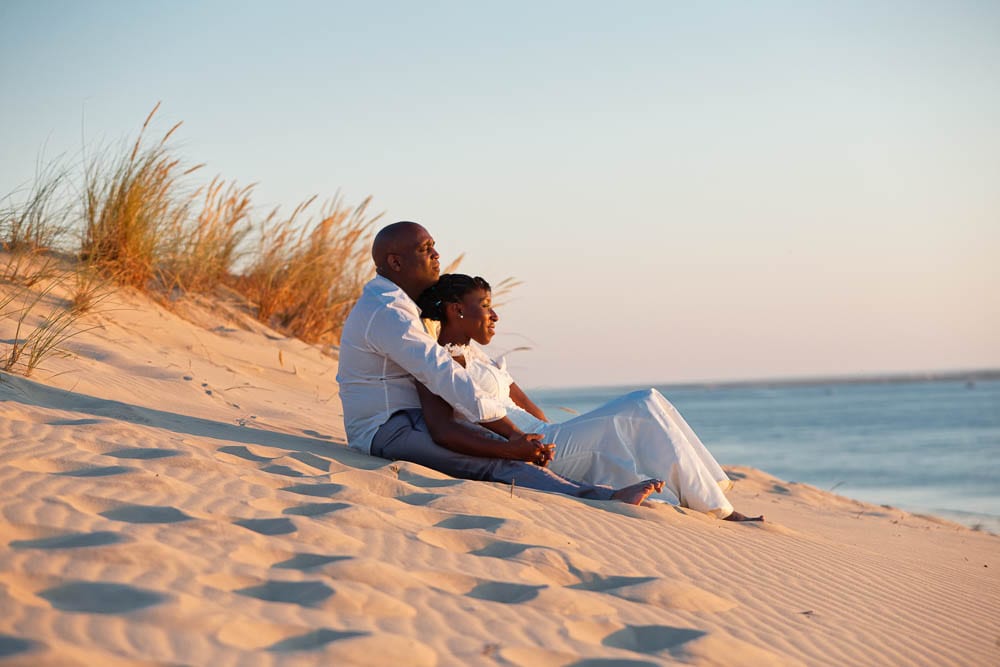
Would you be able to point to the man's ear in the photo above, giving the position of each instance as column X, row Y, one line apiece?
column 393, row 261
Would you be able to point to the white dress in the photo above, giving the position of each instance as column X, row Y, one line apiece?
column 634, row 437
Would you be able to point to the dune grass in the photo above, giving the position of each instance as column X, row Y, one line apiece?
column 31, row 229
column 131, row 205
column 33, row 267
column 201, row 252
column 305, row 278
column 43, row 321
column 42, row 220
column 139, row 223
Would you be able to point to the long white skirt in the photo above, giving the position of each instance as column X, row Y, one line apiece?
column 636, row 437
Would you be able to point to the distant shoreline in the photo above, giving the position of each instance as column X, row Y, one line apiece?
column 883, row 378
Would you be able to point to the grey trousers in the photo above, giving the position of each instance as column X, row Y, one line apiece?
column 405, row 437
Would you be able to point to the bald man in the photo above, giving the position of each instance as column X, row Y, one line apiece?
column 384, row 350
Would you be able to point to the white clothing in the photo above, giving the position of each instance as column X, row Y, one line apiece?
column 383, row 347
column 635, row 437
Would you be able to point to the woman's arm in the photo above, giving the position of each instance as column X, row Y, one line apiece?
column 460, row 438
column 522, row 401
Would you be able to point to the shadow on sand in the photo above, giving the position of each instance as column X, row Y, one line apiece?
column 22, row 390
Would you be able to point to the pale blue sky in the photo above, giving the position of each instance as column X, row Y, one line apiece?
column 689, row 191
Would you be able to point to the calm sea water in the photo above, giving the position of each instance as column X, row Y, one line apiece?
column 931, row 447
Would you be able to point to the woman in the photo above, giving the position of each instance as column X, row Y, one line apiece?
column 635, row 436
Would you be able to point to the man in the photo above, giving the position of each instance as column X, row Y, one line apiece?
column 384, row 348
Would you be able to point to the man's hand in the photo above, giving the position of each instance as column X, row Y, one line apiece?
column 529, row 447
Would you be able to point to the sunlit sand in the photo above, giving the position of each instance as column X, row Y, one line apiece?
column 180, row 493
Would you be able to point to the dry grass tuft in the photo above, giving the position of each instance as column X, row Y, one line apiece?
column 304, row 280
column 41, row 221
column 201, row 253
column 42, row 322
column 130, row 207
column 504, row 289
column 31, row 230
column 87, row 289
column 140, row 225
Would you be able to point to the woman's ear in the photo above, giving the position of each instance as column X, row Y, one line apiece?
column 454, row 310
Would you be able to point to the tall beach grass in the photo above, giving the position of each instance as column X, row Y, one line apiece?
column 132, row 204
column 305, row 277
column 140, row 222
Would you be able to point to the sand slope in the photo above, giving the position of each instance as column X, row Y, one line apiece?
column 181, row 494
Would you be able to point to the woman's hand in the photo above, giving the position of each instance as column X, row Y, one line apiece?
column 529, row 447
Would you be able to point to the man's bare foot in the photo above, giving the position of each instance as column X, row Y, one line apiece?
column 635, row 494
column 736, row 516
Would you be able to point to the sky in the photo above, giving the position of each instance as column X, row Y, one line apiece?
column 688, row 191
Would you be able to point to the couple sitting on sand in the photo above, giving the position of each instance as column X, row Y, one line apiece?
column 446, row 405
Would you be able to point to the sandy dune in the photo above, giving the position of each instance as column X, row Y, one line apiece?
column 180, row 494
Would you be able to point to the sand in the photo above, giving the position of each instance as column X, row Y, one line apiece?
column 177, row 491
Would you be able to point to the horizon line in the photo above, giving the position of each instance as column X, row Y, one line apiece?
column 898, row 377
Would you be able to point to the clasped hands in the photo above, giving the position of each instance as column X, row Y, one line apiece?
column 529, row 447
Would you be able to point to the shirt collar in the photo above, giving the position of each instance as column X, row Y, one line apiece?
column 383, row 285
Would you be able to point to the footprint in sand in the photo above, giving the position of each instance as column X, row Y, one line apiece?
column 16, row 645
column 558, row 566
column 419, row 499
column 466, row 522
column 304, row 593
column 659, row 592
column 319, row 490
column 244, row 453
column 601, row 584
column 100, row 598
column 312, row 640
column 423, row 481
column 612, row 662
column 96, row 471
column 475, row 543
column 305, row 561
column 75, row 422
column 502, row 549
column 316, row 434
column 146, row 514
column 460, row 542
column 285, row 471
column 71, row 541
column 142, row 453
column 311, row 460
column 652, row 639
column 346, row 647
column 506, row 593
column 314, row 509
column 268, row 526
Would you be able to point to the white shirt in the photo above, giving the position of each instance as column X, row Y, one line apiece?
column 493, row 378
column 383, row 347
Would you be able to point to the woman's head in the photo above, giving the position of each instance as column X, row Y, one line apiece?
column 463, row 305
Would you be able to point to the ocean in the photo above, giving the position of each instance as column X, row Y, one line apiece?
column 931, row 447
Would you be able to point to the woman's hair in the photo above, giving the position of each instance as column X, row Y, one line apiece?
column 450, row 288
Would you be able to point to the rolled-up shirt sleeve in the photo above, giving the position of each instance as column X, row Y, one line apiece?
column 403, row 339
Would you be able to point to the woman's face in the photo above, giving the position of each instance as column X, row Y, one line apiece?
column 478, row 319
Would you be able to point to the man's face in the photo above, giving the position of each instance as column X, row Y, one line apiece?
column 418, row 260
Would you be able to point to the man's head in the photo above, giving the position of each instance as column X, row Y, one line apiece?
column 404, row 253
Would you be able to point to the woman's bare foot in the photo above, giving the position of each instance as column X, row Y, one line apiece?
column 736, row 516
column 635, row 494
